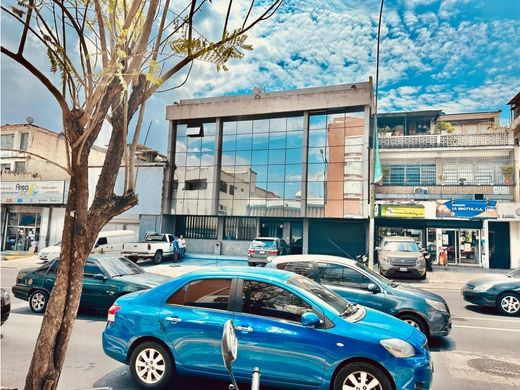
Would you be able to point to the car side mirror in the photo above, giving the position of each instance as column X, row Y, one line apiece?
column 373, row 288
column 229, row 348
column 100, row 277
column 310, row 319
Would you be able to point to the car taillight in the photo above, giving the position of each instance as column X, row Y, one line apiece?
column 149, row 247
column 251, row 251
column 112, row 313
column 272, row 252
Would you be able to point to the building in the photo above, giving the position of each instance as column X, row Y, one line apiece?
column 445, row 178
column 291, row 164
column 34, row 189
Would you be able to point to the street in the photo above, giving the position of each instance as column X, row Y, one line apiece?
column 477, row 334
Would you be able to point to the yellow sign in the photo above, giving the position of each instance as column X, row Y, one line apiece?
column 401, row 211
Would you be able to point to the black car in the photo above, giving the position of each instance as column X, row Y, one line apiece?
column 500, row 291
column 6, row 305
column 105, row 279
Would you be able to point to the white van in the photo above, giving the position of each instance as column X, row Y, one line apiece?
column 107, row 242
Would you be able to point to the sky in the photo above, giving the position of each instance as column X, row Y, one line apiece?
column 450, row 55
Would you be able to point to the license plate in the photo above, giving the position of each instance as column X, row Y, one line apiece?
column 262, row 252
column 403, row 269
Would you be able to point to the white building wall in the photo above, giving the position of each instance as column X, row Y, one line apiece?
column 514, row 237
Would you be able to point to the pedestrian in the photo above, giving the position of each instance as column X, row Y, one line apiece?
column 175, row 248
column 182, row 247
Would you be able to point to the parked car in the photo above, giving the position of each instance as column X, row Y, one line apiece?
column 108, row 242
column 400, row 256
column 357, row 283
column 105, row 279
column 298, row 333
column 6, row 305
column 263, row 247
column 155, row 246
column 500, row 291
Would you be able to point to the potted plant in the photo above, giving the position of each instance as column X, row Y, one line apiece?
column 508, row 171
column 445, row 127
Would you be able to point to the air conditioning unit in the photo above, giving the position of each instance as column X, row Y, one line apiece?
column 420, row 190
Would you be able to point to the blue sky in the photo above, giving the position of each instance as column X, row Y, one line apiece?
column 453, row 55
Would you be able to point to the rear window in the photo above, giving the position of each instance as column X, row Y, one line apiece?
column 208, row 293
column 263, row 244
column 401, row 246
column 155, row 237
column 304, row 268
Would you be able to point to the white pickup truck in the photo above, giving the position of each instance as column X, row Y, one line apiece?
column 155, row 246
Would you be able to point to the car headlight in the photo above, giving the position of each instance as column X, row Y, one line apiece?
column 441, row 306
column 483, row 287
column 7, row 298
column 420, row 259
column 398, row 348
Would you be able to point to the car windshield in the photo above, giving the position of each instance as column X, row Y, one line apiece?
column 120, row 266
column 155, row 237
column 375, row 275
column 263, row 244
column 514, row 273
column 339, row 304
column 401, row 246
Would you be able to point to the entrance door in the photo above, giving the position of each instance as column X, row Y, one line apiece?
column 450, row 241
column 499, row 245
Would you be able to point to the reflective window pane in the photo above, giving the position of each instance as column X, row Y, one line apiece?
column 208, row 144
column 229, row 128
column 318, row 138
column 180, row 159
column 261, row 126
column 193, row 159
column 293, row 172
column 244, row 127
column 295, row 139
column 295, row 123
column 210, row 128
column 228, row 158
column 317, row 122
column 294, row 156
column 276, row 173
column 243, row 157
column 261, row 172
column 181, row 145
column 181, row 130
column 244, row 141
column 277, row 125
column 259, row 156
column 277, row 140
column 276, row 156
column 292, row 190
column 261, row 141
column 229, row 142
column 194, row 144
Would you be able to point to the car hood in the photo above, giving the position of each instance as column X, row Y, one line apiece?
column 384, row 326
column 146, row 279
column 414, row 292
column 491, row 278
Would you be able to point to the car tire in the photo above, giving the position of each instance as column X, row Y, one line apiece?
column 415, row 321
column 508, row 303
column 360, row 375
column 423, row 276
column 157, row 258
column 38, row 301
column 151, row 366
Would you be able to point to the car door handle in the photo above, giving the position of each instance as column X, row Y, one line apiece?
column 173, row 319
column 246, row 329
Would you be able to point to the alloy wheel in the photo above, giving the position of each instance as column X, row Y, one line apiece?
column 361, row 380
column 38, row 300
column 413, row 323
column 510, row 304
column 150, row 366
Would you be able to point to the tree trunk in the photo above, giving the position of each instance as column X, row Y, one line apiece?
column 77, row 240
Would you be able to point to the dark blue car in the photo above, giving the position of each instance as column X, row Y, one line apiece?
column 355, row 282
column 300, row 334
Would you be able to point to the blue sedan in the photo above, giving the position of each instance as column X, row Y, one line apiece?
column 300, row 334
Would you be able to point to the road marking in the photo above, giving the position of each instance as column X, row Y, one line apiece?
column 485, row 319
column 485, row 328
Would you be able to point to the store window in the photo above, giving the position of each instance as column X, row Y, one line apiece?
column 23, row 231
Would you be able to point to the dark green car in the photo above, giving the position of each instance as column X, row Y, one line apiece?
column 105, row 279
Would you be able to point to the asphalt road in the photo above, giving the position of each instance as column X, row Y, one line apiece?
column 477, row 334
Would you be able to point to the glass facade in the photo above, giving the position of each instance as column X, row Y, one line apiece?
column 262, row 170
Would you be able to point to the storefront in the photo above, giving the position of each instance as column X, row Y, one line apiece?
column 32, row 214
column 454, row 232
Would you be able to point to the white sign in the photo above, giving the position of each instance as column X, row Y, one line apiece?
column 508, row 211
column 34, row 192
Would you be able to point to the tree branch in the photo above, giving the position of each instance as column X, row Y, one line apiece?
column 25, row 28
column 227, row 18
column 40, row 76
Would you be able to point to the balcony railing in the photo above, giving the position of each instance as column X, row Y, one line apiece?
column 446, row 140
column 502, row 192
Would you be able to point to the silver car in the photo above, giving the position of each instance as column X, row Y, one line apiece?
column 263, row 247
column 401, row 256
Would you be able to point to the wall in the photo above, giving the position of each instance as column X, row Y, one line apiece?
column 514, row 236
column 228, row 247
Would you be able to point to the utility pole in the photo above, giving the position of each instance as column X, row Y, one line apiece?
column 372, row 227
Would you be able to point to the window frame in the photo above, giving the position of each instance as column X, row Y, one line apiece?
column 231, row 299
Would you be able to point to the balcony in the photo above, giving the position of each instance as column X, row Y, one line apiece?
column 447, row 141
column 495, row 192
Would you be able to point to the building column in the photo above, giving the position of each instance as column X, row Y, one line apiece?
column 215, row 209
column 305, row 243
column 485, row 243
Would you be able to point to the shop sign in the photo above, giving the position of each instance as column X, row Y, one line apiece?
column 401, row 211
column 33, row 192
column 509, row 211
column 466, row 209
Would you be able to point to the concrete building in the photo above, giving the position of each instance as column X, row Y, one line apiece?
column 446, row 178
column 34, row 190
column 291, row 164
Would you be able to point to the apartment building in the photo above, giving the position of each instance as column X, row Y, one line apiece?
column 449, row 180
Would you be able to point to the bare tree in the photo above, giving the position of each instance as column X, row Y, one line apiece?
column 106, row 59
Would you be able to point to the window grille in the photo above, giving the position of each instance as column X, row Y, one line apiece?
column 239, row 228
column 410, row 174
column 201, row 227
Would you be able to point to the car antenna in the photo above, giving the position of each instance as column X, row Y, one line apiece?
column 340, row 248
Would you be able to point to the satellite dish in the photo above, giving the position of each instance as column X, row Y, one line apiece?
column 29, row 120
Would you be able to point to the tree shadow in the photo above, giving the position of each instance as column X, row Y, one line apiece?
column 86, row 314
column 488, row 310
